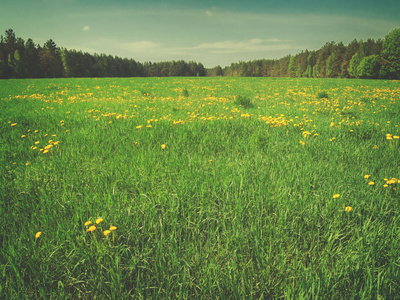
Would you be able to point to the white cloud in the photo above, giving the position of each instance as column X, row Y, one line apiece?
column 248, row 46
column 86, row 28
column 209, row 13
column 141, row 46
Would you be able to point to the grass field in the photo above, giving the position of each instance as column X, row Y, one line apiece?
column 211, row 188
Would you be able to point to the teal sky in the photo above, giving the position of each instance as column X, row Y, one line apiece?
column 211, row 32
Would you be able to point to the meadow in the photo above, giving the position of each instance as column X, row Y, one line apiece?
column 209, row 188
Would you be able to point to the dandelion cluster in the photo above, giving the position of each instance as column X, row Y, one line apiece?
column 94, row 227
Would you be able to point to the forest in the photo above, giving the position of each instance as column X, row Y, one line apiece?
column 371, row 59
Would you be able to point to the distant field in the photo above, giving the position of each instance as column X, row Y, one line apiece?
column 206, row 188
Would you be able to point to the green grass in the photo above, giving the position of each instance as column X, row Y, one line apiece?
column 238, row 205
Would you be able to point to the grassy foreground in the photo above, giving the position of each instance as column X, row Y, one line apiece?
column 211, row 188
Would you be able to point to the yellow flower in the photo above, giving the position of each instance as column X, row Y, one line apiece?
column 348, row 209
column 37, row 142
column 138, row 127
column 385, row 185
column 163, row 146
column 87, row 223
column 367, row 176
column 112, row 228
column 106, row 232
column 91, row 228
column 99, row 220
column 22, row 136
column 39, row 233
column 13, row 124
column 45, row 151
column 302, row 143
column 371, row 183
column 28, row 163
column 336, row 196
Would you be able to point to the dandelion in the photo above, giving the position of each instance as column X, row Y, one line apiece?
column 87, row 223
column 28, row 163
column 385, row 185
column 371, row 183
column 36, row 131
column 367, row 176
column 112, row 228
column 37, row 142
column 91, row 228
column 163, row 146
column 22, row 136
column 99, row 220
column 45, row 151
column 138, row 127
column 348, row 209
column 13, row 124
column 39, row 233
column 336, row 196
column 106, row 232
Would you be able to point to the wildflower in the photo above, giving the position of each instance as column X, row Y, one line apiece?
column 91, row 228
column 371, row 183
column 396, row 137
column 13, row 124
column 336, row 196
column 22, row 136
column 99, row 220
column 45, row 151
column 87, row 223
column 385, row 185
column 302, row 143
column 348, row 209
column 28, row 163
column 163, row 146
column 39, row 233
column 138, row 127
column 37, row 142
column 112, row 228
column 367, row 176
column 106, row 232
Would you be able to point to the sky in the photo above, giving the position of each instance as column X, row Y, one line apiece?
column 213, row 32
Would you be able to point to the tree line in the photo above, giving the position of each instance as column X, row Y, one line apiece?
column 358, row 59
column 20, row 59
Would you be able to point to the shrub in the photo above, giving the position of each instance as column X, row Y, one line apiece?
column 323, row 95
column 243, row 101
column 185, row 93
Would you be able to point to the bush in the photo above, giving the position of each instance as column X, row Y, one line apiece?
column 243, row 101
column 323, row 95
column 185, row 93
